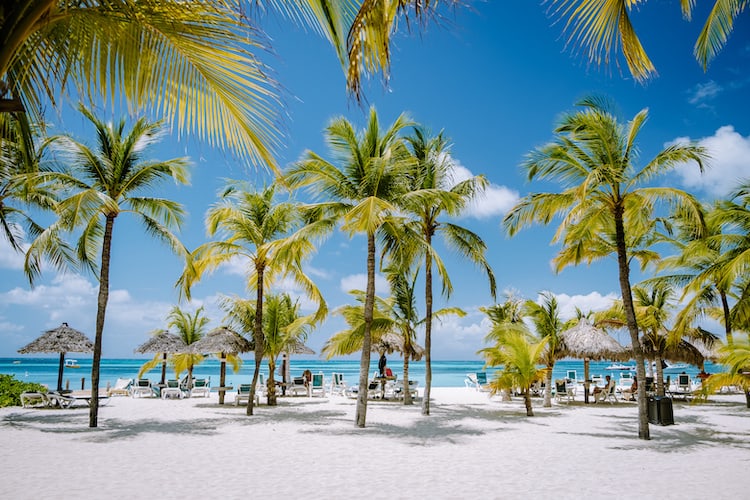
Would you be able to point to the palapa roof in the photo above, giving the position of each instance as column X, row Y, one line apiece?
column 683, row 351
column 61, row 339
column 222, row 339
column 587, row 341
column 298, row 348
column 392, row 342
column 163, row 341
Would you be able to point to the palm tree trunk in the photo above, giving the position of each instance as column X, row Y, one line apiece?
column 222, row 376
column 407, row 392
column 727, row 320
column 427, row 326
column 548, row 388
column 271, row 383
column 527, row 401
column 627, row 301
column 659, row 378
column 101, row 309
column 260, row 341
column 364, row 362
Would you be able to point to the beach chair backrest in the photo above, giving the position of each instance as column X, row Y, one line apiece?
column 572, row 375
column 481, row 378
column 317, row 380
column 144, row 382
column 244, row 388
column 338, row 378
column 683, row 379
column 560, row 386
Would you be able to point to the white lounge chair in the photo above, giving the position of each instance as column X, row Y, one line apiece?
column 338, row 384
column 142, row 388
column 318, row 386
column 34, row 400
column 607, row 394
column 297, row 387
column 172, row 390
column 201, row 388
column 121, row 387
column 563, row 392
column 478, row 381
column 243, row 395
column 60, row 400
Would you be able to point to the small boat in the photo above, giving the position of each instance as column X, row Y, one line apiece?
column 72, row 363
column 675, row 366
column 17, row 362
column 620, row 367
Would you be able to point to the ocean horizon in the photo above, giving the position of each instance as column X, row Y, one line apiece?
column 44, row 370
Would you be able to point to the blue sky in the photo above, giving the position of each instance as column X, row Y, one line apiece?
column 495, row 78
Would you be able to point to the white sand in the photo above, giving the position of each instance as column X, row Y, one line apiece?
column 469, row 447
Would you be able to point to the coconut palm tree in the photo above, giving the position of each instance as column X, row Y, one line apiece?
column 704, row 292
column 99, row 186
column 364, row 191
column 272, row 236
column 519, row 356
column 604, row 28
column 736, row 359
column 605, row 206
column 433, row 194
column 190, row 328
column 546, row 319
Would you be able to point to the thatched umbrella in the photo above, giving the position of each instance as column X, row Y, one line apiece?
column 163, row 342
column 683, row 351
column 586, row 341
column 61, row 340
column 224, row 341
column 391, row 342
column 295, row 347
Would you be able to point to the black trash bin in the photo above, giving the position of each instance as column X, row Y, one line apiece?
column 659, row 409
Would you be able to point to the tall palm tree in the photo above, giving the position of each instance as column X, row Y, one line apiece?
column 364, row 191
column 604, row 28
column 548, row 325
column 100, row 185
column 432, row 195
column 271, row 235
column 603, row 202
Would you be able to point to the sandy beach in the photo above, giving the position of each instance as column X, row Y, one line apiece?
column 471, row 446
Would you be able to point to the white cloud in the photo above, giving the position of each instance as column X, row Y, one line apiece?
column 359, row 282
column 704, row 92
column 496, row 199
column 9, row 257
column 593, row 301
column 728, row 166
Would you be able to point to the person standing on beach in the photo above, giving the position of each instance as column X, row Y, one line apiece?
column 381, row 365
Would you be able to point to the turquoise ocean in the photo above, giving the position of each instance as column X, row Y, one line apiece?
column 44, row 370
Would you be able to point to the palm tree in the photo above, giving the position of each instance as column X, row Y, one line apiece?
column 604, row 207
column 432, row 194
column 548, row 325
column 694, row 265
column 604, row 28
column 364, row 192
column 190, row 328
column 100, row 185
column 519, row 356
column 736, row 358
column 20, row 160
column 271, row 235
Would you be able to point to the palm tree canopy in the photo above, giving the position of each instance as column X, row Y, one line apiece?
column 103, row 183
column 603, row 29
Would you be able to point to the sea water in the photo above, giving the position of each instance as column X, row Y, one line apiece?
column 444, row 373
